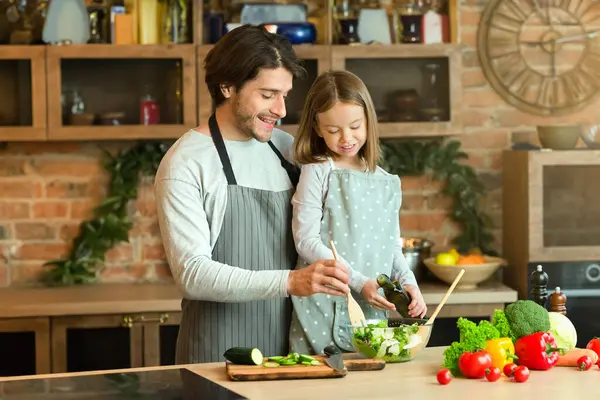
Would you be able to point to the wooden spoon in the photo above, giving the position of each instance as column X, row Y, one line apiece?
column 357, row 317
column 450, row 289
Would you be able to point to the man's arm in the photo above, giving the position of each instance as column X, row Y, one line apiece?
column 186, row 237
column 306, row 223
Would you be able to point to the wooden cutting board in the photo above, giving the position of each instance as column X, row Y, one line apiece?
column 352, row 362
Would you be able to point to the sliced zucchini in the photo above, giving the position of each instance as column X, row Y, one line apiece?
column 307, row 363
column 315, row 362
column 304, row 357
column 288, row 362
column 276, row 358
column 244, row 355
column 271, row 364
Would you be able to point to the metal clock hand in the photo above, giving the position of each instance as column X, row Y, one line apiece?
column 575, row 37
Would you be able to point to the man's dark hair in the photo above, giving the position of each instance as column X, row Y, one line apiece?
column 238, row 57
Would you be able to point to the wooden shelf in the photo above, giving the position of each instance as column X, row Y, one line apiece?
column 183, row 51
column 122, row 132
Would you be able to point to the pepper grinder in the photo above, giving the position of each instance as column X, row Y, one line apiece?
column 538, row 280
column 558, row 302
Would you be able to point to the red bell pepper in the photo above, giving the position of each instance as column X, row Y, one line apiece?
column 537, row 351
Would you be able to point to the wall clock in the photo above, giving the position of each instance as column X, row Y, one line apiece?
column 542, row 55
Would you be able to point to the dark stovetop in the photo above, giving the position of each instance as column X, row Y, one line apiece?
column 169, row 384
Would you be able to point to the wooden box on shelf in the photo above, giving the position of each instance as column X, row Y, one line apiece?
column 416, row 88
column 23, row 88
column 316, row 61
column 97, row 92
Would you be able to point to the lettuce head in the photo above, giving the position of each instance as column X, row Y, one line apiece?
column 563, row 331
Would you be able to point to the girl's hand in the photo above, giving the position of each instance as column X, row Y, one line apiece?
column 369, row 293
column 417, row 308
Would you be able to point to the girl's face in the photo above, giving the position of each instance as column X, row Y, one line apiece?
column 344, row 129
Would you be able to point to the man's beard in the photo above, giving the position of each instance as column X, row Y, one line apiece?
column 245, row 122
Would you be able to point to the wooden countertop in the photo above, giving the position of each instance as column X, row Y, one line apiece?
column 414, row 379
column 100, row 299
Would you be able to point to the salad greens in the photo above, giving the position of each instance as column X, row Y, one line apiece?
column 384, row 343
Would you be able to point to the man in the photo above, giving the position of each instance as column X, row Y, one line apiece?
column 223, row 195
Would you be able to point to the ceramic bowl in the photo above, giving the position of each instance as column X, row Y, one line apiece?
column 559, row 137
column 474, row 273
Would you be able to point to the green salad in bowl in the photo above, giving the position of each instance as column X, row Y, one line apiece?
column 391, row 341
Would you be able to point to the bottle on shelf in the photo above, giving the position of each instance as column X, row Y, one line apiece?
column 538, row 281
column 395, row 294
column 558, row 302
column 149, row 108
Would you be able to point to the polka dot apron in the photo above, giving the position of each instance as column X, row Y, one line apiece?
column 361, row 216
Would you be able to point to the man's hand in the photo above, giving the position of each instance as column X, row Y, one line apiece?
column 370, row 294
column 417, row 307
column 324, row 276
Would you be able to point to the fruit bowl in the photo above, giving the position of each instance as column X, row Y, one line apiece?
column 389, row 341
column 475, row 272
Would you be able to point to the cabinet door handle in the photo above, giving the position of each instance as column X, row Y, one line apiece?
column 129, row 320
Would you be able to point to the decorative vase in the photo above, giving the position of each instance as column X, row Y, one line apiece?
column 67, row 21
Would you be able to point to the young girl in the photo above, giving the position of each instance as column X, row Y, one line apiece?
column 345, row 197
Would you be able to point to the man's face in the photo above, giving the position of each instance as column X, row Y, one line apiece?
column 261, row 102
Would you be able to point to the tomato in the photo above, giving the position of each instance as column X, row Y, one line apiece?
column 509, row 369
column 444, row 376
column 584, row 363
column 492, row 374
column 521, row 373
column 594, row 345
column 473, row 365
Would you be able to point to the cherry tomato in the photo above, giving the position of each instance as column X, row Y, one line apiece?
column 594, row 345
column 521, row 373
column 492, row 374
column 444, row 376
column 509, row 369
column 584, row 363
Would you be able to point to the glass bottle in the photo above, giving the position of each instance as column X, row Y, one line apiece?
column 430, row 100
column 149, row 109
column 395, row 294
column 538, row 281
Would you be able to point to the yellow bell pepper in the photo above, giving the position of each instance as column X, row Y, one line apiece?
column 502, row 351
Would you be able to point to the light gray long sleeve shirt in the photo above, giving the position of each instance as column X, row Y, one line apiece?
column 191, row 197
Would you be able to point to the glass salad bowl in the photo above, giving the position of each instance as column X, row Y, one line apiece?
column 393, row 340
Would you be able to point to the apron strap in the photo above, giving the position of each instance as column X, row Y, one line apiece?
column 217, row 138
column 292, row 170
column 331, row 162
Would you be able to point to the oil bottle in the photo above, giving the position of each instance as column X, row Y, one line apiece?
column 395, row 294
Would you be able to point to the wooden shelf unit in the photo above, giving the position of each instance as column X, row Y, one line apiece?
column 146, row 54
column 46, row 83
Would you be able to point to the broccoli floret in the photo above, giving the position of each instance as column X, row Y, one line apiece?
column 501, row 324
column 526, row 317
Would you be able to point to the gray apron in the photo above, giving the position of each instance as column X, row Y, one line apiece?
column 256, row 235
column 361, row 216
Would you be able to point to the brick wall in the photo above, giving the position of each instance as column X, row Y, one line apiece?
column 47, row 189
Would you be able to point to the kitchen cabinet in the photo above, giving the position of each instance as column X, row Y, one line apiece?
column 414, row 89
column 112, row 341
column 26, row 343
column 23, row 88
column 110, row 326
column 100, row 92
